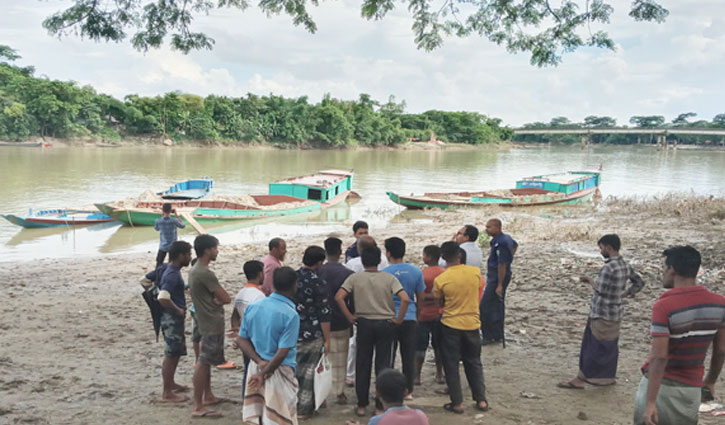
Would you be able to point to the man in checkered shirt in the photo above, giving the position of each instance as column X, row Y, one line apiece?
column 600, row 345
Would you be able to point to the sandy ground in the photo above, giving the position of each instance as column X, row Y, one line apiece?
column 77, row 346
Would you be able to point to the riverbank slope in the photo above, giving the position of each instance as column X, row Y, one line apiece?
column 78, row 345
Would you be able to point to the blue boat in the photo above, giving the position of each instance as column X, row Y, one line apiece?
column 58, row 218
column 190, row 189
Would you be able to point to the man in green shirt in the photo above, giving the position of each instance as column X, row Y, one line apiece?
column 209, row 298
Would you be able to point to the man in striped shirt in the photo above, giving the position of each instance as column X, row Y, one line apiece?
column 685, row 320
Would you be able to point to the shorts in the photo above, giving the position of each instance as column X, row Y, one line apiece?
column 172, row 327
column 195, row 335
column 212, row 350
column 428, row 331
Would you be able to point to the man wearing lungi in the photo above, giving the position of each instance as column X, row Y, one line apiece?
column 600, row 345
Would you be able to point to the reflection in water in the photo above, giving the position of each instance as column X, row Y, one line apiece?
column 58, row 177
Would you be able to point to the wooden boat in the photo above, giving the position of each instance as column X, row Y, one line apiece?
column 553, row 189
column 287, row 197
column 190, row 189
column 58, row 218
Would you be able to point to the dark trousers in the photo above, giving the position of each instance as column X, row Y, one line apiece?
column 160, row 257
column 457, row 345
column 373, row 336
column 406, row 338
column 493, row 310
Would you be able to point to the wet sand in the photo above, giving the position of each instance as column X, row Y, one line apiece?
column 78, row 345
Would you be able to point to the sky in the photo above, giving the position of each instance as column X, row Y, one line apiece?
column 656, row 69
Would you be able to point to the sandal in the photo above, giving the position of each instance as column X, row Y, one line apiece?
column 482, row 408
column 569, row 386
column 449, row 407
column 361, row 411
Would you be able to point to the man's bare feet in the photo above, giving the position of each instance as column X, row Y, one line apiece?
column 179, row 388
column 173, row 398
column 215, row 401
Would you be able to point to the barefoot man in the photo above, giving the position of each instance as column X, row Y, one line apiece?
column 172, row 299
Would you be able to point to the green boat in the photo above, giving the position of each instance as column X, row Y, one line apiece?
column 295, row 195
column 572, row 187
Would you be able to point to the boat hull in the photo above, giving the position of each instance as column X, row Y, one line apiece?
column 202, row 214
column 84, row 218
column 421, row 202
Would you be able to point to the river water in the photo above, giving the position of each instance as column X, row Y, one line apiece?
column 72, row 177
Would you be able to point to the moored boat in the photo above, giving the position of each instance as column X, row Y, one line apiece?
column 190, row 189
column 552, row 189
column 286, row 197
column 58, row 218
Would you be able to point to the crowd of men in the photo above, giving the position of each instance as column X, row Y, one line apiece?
column 362, row 312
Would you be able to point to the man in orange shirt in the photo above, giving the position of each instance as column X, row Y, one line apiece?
column 429, row 315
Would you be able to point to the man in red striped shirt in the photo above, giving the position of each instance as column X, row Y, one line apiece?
column 685, row 320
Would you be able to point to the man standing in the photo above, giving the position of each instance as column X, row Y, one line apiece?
column 372, row 293
column 457, row 289
column 355, row 264
column 313, row 306
column 273, row 261
column 467, row 240
column 268, row 336
column 209, row 298
column 360, row 228
column 411, row 278
column 334, row 274
column 172, row 299
column 600, row 345
column 251, row 293
column 498, row 276
column 166, row 226
column 429, row 316
column 685, row 320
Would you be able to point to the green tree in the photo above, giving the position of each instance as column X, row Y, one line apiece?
column 682, row 118
column 593, row 121
column 719, row 120
column 537, row 27
column 647, row 120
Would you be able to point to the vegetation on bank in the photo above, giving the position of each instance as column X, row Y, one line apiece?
column 32, row 106
column 684, row 120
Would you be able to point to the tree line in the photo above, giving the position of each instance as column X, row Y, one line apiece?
column 31, row 106
column 684, row 120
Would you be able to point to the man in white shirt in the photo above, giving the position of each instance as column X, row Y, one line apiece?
column 355, row 264
column 252, row 292
column 467, row 239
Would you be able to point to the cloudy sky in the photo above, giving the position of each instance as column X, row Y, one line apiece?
column 663, row 69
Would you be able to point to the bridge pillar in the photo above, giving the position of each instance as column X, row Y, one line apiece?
column 586, row 140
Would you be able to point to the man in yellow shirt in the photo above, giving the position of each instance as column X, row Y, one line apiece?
column 457, row 291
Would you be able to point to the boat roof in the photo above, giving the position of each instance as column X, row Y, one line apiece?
column 563, row 178
column 324, row 178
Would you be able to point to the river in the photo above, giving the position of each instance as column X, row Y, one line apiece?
column 72, row 177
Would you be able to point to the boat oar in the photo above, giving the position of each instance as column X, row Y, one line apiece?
column 195, row 224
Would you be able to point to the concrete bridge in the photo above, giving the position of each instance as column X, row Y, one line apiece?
column 660, row 132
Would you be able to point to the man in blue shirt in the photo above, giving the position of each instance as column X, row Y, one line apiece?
column 167, row 227
column 172, row 299
column 498, row 277
column 413, row 283
column 268, row 336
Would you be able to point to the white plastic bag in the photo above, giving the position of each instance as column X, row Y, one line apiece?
column 323, row 380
